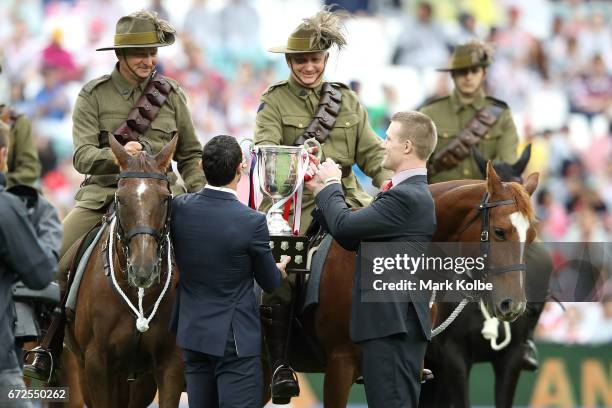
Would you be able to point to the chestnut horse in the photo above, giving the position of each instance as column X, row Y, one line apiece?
column 323, row 343
column 132, row 256
column 452, row 354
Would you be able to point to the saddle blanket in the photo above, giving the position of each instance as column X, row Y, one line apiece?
column 76, row 283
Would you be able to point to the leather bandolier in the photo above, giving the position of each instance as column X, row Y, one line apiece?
column 324, row 118
column 144, row 112
column 138, row 121
column 461, row 146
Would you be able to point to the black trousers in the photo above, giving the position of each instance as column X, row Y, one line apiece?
column 224, row 382
column 391, row 368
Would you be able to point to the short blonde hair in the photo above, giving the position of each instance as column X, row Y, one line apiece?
column 420, row 130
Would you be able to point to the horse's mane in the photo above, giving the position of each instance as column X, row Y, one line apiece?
column 523, row 201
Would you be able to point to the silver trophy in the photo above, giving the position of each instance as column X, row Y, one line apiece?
column 279, row 174
column 279, row 169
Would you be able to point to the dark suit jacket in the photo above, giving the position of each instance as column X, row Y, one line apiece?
column 221, row 245
column 406, row 213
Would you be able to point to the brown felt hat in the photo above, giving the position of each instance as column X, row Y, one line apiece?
column 142, row 29
column 472, row 54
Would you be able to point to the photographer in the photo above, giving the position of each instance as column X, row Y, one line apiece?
column 22, row 257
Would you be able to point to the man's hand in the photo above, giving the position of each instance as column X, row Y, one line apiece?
column 282, row 265
column 312, row 181
column 329, row 170
column 133, row 147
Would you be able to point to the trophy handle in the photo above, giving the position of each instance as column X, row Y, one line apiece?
column 312, row 142
column 249, row 146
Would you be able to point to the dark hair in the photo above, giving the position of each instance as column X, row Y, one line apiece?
column 220, row 158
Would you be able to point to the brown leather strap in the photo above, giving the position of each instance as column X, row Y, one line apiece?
column 325, row 116
column 461, row 146
column 144, row 111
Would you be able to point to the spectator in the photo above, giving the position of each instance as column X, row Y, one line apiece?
column 422, row 44
column 591, row 92
column 55, row 56
column 51, row 101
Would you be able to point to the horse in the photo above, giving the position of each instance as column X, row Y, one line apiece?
column 324, row 344
column 451, row 354
column 133, row 256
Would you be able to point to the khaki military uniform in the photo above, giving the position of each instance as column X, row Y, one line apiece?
column 450, row 116
column 102, row 105
column 286, row 110
column 23, row 163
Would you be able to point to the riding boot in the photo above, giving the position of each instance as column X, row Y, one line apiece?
column 530, row 356
column 276, row 325
column 47, row 355
column 530, row 352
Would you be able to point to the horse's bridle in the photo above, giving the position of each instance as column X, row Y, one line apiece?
column 485, row 244
column 159, row 236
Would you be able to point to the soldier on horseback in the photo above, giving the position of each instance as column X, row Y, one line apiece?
column 468, row 118
column 143, row 110
column 292, row 111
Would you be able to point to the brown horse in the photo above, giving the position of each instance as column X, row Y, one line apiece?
column 103, row 333
column 459, row 219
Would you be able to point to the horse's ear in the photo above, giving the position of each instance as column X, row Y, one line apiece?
column 121, row 155
column 480, row 161
column 494, row 184
column 164, row 157
column 531, row 182
column 519, row 167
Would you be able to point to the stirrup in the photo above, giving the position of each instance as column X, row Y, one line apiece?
column 47, row 352
column 287, row 366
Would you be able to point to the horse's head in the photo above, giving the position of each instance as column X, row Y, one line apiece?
column 506, row 171
column 508, row 212
column 143, row 200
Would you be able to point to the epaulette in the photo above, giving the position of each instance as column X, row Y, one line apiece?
column 497, row 102
column 89, row 87
column 175, row 85
column 432, row 100
column 274, row 86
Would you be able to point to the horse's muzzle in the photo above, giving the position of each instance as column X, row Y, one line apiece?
column 143, row 276
column 509, row 310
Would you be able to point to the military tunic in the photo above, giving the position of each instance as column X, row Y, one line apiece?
column 102, row 105
column 23, row 163
column 286, row 110
column 450, row 116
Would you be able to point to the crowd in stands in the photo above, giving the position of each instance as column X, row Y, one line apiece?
column 552, row 65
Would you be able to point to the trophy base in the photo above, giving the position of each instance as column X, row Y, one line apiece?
column 295, row 247
column 277, row 225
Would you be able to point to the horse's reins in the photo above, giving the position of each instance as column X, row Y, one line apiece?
column 163, row 241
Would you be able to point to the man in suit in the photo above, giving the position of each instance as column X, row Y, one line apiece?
column 221, row 247
column 392, row 334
